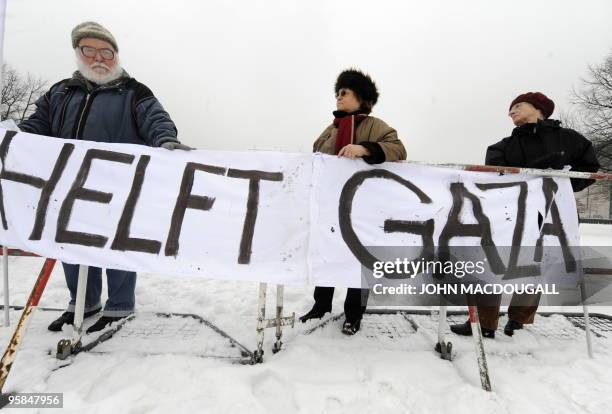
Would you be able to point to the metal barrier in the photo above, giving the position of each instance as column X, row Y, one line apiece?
column 595, row 221
column 594, row 203
column 6, row 252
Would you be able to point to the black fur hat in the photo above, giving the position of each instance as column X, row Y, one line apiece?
column 360, row 83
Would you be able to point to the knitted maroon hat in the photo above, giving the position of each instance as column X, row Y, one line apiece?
column 538, row 100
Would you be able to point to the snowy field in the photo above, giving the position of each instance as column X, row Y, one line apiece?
column 324, row 372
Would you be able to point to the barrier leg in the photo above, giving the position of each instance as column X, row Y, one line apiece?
column 79, row 308
column 587, row 321
column 480, row 352
column 7, row 317
column 279, row 316
column 11, row 350
column 66, row 347
column 444, row 348
column 261, row 323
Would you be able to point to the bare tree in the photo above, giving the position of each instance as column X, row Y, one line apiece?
column 594, row 100
column 19, row 94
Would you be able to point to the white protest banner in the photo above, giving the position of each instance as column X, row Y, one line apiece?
column 355, row 208
column 222, row 215
column 259, row 216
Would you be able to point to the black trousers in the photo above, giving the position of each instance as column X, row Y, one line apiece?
column 354, row 304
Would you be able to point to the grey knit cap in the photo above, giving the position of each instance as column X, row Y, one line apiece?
column 93, row 30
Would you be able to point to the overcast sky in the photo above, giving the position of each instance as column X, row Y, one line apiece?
column 237, row 75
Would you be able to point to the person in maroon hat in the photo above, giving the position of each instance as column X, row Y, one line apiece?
column 536, row 142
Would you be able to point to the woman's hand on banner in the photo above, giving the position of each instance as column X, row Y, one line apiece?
column 354, row 151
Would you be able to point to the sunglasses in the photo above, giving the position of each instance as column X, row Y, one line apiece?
column 343, row 92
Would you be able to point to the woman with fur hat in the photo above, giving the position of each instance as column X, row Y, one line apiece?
column 354, row 134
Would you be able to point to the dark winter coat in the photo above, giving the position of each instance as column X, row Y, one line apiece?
column 545, row 145
column 122, row 111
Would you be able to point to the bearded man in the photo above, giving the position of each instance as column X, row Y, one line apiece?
column 101, row 102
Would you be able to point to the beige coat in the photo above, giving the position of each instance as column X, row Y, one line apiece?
column 370, row 129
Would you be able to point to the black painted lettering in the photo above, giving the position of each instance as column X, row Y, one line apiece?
column 513, row 271
column 345, row 209
column 248, row 230
column 123, row 242
column 455, row 228
column 79, row 192
column 187, row 200
column 46, row 186
column 549, row 188
column 4, row 147
column 425, row 229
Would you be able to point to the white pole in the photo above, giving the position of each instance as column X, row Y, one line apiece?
column 280, row 289
column 2, row 24
column 261, row 322
column 442, row 324
column 7, row 319
column 443, row 347
column 587, row 323
column 587, row 328
column 79, row 307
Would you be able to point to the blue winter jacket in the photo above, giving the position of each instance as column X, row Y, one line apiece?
column 122, row 111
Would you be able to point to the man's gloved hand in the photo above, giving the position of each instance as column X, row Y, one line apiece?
column 10, row 125
column 171, row 145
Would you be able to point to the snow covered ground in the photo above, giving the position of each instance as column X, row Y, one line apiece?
column 325, row 372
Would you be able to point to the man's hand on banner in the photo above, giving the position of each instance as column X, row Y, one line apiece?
column 9, row 125
column 170, row 145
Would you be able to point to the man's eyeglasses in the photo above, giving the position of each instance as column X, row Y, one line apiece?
column 91, row 52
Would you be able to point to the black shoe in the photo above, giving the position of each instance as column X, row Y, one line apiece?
column 314, row 313
column 487, row 333
column 512, row 326
column 103, row 322
column 351, row 328
column 465, row 329
column 68, row 318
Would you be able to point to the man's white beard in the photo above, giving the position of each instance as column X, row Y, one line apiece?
column 95, row 77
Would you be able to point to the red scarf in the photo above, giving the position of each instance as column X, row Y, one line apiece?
column 346, row 125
